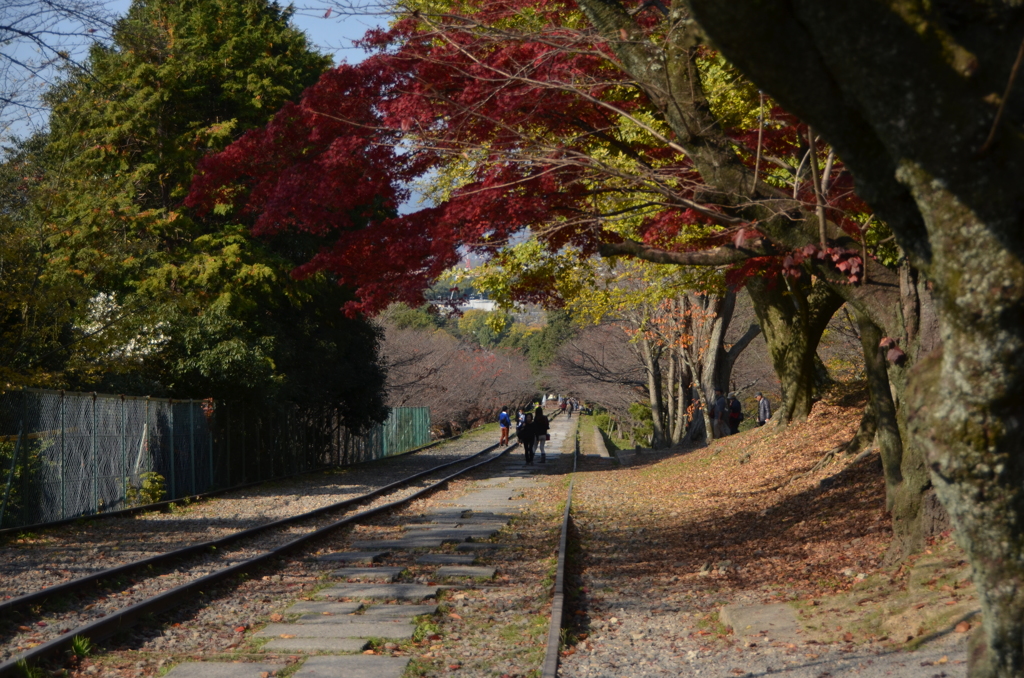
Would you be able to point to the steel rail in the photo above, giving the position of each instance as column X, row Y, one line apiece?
column 549, row 669
column 81, row 582
column 112, row 623
column 167, row 503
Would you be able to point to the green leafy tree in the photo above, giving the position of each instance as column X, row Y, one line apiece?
column 405, row 318
column 38, row 306
column 542, row 346
column 194, row 306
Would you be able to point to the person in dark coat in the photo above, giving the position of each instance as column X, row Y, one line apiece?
column 735, row 414
column 540, row 427
column 528, row 436
column 719, row 415
column 764, row 409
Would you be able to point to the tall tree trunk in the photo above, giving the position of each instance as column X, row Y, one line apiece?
column 682, row 386
column 887, row 429
column 710, row 334
column 670, row 398
column 652, row 362
column 793, row 315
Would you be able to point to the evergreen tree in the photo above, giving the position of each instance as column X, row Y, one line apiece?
column 195, row 306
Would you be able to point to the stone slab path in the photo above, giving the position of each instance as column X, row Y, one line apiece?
column 346, row 616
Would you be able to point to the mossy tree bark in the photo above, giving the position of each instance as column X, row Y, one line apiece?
column 908, row 93
column 907, row 482
column 793, row 314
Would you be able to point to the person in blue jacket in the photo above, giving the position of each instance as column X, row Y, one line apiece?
column 505, row 423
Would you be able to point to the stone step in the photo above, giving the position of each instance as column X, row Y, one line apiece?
column 354, row 618
column 428, row 525
column 388, row 574
column 371, row 629
column 386, row 591
column 464, row 571
column 459, row 534
column 294, row 645
column 357, row 666
column 319, row 607
column 353, row 557
column 222, row 670
column 445, row 559
column 480, row 546
column 415, row 541
column 396, row 611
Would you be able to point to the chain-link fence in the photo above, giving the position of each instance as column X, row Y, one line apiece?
column 66, row 454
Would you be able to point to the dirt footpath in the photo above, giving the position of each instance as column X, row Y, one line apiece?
column 673, row 538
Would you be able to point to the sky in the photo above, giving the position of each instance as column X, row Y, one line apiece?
column 331, row 33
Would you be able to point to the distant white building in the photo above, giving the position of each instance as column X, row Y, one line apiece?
column 478, row 305
column 471, row 304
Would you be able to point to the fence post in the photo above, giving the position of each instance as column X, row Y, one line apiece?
column 174, row 488
column 227, row 453
column 192, row 444
column 209, row 443
column 63, row 461
column 95, row 459
column 209, row 439
column 14, row 464
column 149, row 448
column 124, row 455
column 244, row 476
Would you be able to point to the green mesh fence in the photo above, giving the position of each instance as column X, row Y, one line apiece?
column 65, row 454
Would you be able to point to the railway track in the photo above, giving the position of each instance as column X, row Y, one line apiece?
column 104, row 600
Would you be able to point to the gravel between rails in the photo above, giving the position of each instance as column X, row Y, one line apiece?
column 74, row 551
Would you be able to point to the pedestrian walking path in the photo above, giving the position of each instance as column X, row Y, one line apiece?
column 370, row 603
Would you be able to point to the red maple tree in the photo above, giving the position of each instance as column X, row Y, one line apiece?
column 532, row 118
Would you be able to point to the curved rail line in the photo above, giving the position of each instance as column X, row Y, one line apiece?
column 111, row 623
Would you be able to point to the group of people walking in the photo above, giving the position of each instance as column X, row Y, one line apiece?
column 531, row 431
column 727, row 413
